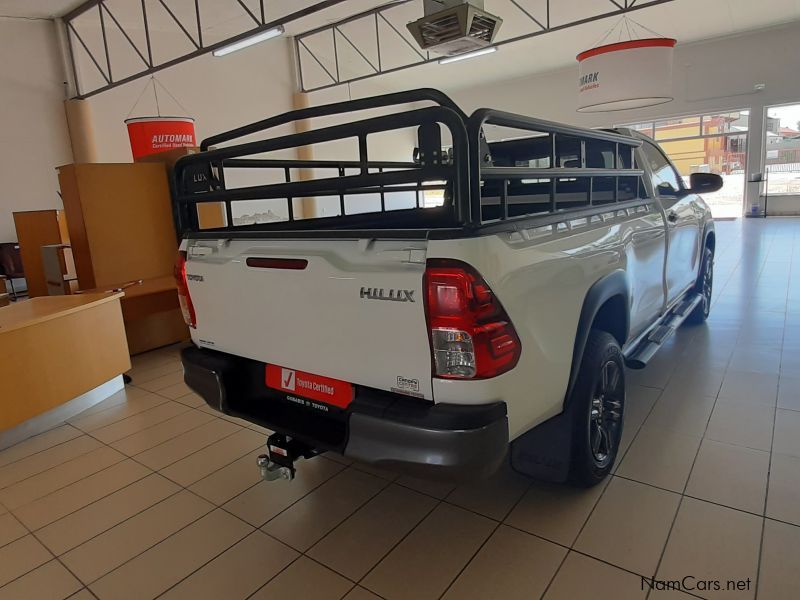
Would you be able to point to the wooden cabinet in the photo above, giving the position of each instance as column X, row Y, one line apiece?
column 37, row 228
column 120, row 221
column 121, row 230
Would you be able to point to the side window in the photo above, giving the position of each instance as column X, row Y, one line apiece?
column 665, row 179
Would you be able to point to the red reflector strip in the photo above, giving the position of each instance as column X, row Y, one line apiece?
column 502, row 345
column 185, row 300
column 292, row 264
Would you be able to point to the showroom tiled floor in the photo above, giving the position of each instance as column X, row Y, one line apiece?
column 150, row 494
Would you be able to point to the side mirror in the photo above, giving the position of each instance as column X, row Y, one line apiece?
column 704, row 183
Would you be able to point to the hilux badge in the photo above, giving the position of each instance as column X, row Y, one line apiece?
column 391, row 295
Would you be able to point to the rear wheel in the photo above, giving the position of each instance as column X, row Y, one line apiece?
column 704, row 287
column 598, row 404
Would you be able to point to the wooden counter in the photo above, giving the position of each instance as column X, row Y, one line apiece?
column 151, row 312
column 54, row 349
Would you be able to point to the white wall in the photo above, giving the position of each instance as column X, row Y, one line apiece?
column 219, row 92
column 33, row 128
column 714, row 75
column 783, row 205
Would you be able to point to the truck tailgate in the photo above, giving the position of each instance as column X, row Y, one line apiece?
column 354, row 311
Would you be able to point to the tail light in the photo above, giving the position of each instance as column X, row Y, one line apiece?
column 187, row 308
column 471, row 334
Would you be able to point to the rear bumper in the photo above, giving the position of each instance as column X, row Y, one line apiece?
column 386, row 430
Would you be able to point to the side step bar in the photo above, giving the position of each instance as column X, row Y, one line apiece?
column 639, row 355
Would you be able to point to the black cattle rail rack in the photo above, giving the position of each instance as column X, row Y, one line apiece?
column 464, row 169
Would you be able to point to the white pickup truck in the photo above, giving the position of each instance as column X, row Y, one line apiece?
column 428, row 315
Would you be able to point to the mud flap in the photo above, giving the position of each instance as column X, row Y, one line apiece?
column 545, row 451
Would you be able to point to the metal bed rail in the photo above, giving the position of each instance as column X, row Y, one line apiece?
column 461, row 169
column 200, row 178
column 482, row 168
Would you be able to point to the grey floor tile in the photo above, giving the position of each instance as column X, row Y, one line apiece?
column 555, row 512
column 435, row 551
column 783, row 498
column 309, row 519
column 99, row 555
column 263, row 501
column 742, row 425
column 584, row 577
column 98, row 517
column 51, row 581
column 780, row 562
column 510, row 565
column 236, row 573
column 362, row 540
column 305, row 579
column 716, row 543
column 159, row 568
column 730, row 475
column 629, row 526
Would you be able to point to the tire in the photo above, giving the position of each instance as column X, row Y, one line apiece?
column 597, row 404
column 705, row 287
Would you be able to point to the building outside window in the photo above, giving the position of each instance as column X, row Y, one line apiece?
column 782, row 149
column 713, row 143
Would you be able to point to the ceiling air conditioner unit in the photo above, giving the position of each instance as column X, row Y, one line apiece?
column 452, row 27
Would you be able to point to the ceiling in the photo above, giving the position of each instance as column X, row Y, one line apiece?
column 37, row 9
column 686, row 20
column 218, row 10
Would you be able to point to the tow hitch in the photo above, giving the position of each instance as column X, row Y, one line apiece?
column 283, row 451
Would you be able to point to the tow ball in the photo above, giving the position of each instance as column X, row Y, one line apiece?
column 283, row 450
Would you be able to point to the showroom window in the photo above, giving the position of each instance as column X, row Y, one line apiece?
column 711, row 143
column 782, row 149
column 665, row 180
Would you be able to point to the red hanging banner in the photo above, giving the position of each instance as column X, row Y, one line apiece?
column 150, row 135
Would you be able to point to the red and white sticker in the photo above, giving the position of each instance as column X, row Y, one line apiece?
column 307, row 385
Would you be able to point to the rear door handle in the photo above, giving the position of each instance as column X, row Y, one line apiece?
column 672, row 216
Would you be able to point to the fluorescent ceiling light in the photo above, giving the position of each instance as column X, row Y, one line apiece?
column 259, row 37
column 466, row 55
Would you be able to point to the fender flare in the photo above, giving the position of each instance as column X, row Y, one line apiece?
column 613, row 284
column 708, row 229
